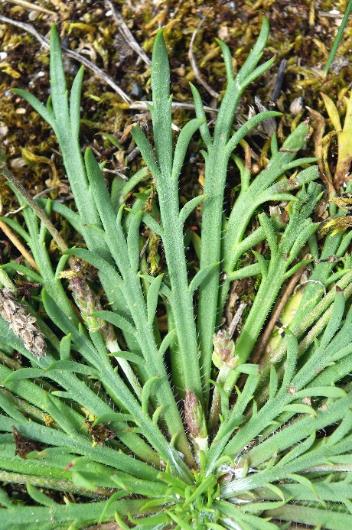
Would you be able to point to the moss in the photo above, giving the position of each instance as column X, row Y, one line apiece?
column 301, row 33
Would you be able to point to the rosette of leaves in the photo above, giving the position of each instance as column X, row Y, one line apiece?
column 111, row 418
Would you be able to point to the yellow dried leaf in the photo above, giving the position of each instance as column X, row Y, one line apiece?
column 321, row 147
column 7, row 69
column 29, row 156
column 347, row 126
column 342, row 202
column 344, row 148
column 88, row 28
column 336, row 225
column 286, row 318
column 332, row 112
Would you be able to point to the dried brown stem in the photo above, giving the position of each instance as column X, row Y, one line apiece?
column 39, row 211
column 236, row 318
column 105, row 526
column 33, row 7
column 145, row 105
column 195, row 68
column 130, row 104
column 17, row 243
column 127, row 34
column 70, row 53
column 264, row 339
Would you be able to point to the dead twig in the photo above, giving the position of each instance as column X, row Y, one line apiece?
column 288, row 290
column 40, row 194
column 39, row 211
column 17, row 243
column 70, row 53
column 145, row 105
column 33, row 7
column 105, row 526
column 127, row 34
column 195, row 68
column 279, row 81
column 236, row 318
column 133, row 105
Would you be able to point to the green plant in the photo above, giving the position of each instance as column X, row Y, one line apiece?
column 338, row 38
column 111, row 419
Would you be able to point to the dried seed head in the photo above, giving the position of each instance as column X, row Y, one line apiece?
column 22, row 323
column 87, row 301
column 223, row 344
column 224, row 350
column 194, row 417
column 296, row 106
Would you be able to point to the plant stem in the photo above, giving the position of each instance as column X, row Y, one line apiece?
column 216, row 162
column 182, row 303
column 46, row 482
column 338, row 38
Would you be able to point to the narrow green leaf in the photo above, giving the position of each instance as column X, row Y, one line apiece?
column 118, row 417
column 267, row 225
column 250, row 124
column 22, row 270
column 133, row 239
column 117, row 320
column 190, row 206
column 98, row 262
column 166, row 342
column 69, row 215
column 227, row 56
column 335, row 321
column 129, row 356
column 299, row 408
column 201, row 276
column 204, row 129
column 342, row 430
column 161, row 109
column 58, row 84
column 332, row 392
column 291, row 359
column 258, row 72
column 9, row 406
column 39, row 497
column 146, row 150
column 25, row 373
column 262, row 262
column 156, row 415
column 320, row 518
column 132, row 182
column 61, row 266
column 296, row 267
column 153, row 297
column 302, row 239
column 307, row 175
column 75, row 102
column 182, row 144
column 36, row 104
column 152, row 224
column 298, row 450
column 247, row 368
column 274, row 145
column 245, row 272
column 5, row 499
column 72, row 366
column 308, row 171
column 147, row 391
column 60, row 515
column 273, row 382
column 65, row 347
column 256, row 52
